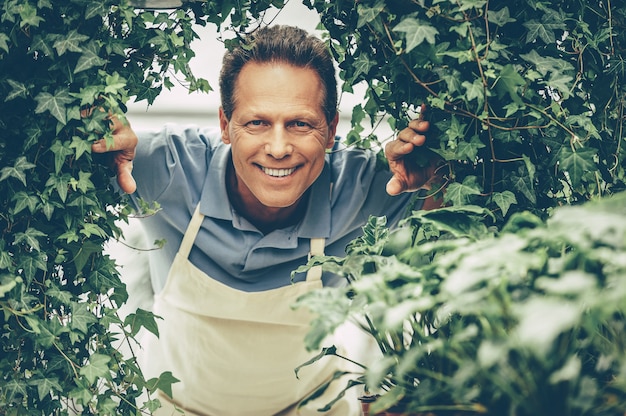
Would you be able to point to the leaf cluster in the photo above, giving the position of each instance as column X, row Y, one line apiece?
column 525, row 97
column 67, row 68
column 528, row 320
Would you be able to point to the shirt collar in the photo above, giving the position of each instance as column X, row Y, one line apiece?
column 214, row 201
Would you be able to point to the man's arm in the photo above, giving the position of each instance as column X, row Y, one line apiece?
column 122, row 153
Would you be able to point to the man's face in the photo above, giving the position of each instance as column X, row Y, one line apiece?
column 278, row 133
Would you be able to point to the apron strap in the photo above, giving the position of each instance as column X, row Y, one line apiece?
column 317, row 249
column 190, row 234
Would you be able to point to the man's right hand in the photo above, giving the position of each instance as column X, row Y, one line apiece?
column 122, row 153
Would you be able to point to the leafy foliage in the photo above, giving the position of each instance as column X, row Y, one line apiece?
column 60, row 334
column 525, row 97
column 527, row 321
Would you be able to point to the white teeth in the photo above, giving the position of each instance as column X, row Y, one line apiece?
column 278, row 173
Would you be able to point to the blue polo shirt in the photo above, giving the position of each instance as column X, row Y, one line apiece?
column 181, row 166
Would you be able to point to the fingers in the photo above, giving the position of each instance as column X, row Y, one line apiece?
column 414, row 133
column 124, row 176
column 395, row 186
column 122, row 151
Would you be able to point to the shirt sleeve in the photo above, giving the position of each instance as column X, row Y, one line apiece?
column 175, row 156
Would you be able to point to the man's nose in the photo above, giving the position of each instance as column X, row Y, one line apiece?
column 278, row 143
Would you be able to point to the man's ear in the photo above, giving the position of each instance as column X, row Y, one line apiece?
column 224, row 126
column 332, row 131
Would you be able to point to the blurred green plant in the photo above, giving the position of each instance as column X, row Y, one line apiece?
column 526, row 321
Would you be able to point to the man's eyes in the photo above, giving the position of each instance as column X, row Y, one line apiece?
column 297, row 124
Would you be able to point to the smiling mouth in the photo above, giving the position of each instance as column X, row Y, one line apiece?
column 278, row 173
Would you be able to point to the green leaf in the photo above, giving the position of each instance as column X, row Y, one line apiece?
column 4, row 44
column 28, row 15
column 474, row 90
column 80, row 146
column 416, row 32
column 70, row 42
column 17, row 170
column 504, row 200
column 61, row 152
column 18, row 90
column 46, row 386
column 90, row 58
column 461, row 193
column 163, row 382
column 362, row 65
column 368, row 14
column 81, row 317
column 577, row 163
column 63, row 296
column 60, row 184
column 500, row 17
column 84, row 253
column 96, row 368
column 55, row 104
column 509, row 83
column 140, row 319
column 14, row 389
column 469, row 150
column 30, row 238
column 31, row 263
column 24, row 200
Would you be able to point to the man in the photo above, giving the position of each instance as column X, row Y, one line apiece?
column 242, row 207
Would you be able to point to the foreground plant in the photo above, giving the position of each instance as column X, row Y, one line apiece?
column 527, row 322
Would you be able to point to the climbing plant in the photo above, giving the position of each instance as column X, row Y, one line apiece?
column 67, row 67
column 525, row 97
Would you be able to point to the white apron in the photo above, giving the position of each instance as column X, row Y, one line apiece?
column 235, row 352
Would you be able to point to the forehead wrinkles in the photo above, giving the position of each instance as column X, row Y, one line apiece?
column 237, row 86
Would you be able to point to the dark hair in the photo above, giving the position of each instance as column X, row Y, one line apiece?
column 280, row 43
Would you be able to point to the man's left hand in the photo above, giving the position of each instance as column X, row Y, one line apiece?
column 407, row 175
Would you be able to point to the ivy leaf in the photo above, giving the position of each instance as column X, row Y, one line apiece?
column 469, row 150
column 509, row 82
column 362, row 65
column 368, row 14
column 60, row 184
column 81, row 317
column 17, row 170
column 29, row 238
column 461, row 193
column 84, row 252
column 80, row 146
column 416, row 32
column 504, row 200
column 61, row 152
column 95, row 9
column 577, row 163
column 24, row 200
column 18, row 90
column 4, row 45
column 474, row 90
column 140, row 319
column 30, row 264
column 89, row 58
column 45, row 386
column 163, row 382
column 70, row 42
column 63, row 296
column 55, row 104
column 96, row 368
column 500, row 17
column 13, row 389
column 540, row 30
